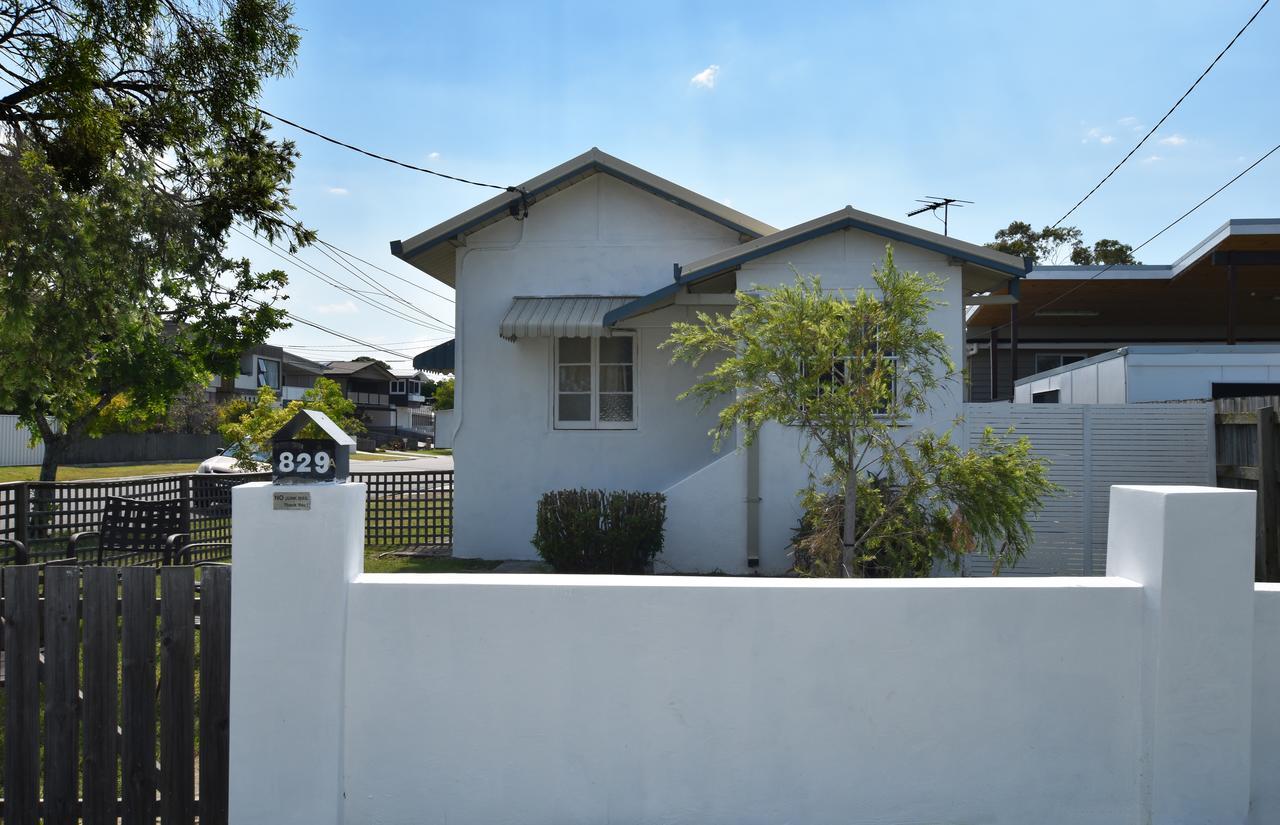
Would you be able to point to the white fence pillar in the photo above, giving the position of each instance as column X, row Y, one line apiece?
column 1192, row 550
column 288, row 628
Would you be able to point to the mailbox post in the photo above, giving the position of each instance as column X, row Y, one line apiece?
column 297, row 541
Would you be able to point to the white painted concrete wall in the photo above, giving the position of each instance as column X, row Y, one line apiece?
column 446, row 423
column 1265, row 799
column 1136, row 698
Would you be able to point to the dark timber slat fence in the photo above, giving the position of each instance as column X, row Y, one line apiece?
column 404, row 508
column 1247, row 442
column 106, row 617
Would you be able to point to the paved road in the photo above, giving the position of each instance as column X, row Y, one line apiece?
column 419, row 464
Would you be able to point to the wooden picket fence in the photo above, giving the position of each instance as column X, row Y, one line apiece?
column 87, row 638
column 1247, row 445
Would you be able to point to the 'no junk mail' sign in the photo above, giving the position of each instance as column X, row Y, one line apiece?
column 310, row 460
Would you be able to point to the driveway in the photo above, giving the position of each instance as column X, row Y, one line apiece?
column 417, row 464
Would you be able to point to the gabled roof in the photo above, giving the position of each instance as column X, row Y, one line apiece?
column 850, row 218
column 729, row 259
column 432, row 251
column 299, row 364
column 353, row 367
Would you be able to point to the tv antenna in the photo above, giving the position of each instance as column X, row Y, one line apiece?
column 932, row 203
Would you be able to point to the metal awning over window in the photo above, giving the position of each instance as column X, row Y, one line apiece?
column 570, row 316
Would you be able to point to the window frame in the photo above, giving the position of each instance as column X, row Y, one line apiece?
column 261, row 365
column 594, row 366
column 1061, row 357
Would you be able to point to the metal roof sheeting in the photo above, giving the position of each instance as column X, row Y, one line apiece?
column 432, row 251
column 437, row 359
column 570, row 316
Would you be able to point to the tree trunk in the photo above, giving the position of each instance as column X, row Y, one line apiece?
column 849, row 533
column 55, row 448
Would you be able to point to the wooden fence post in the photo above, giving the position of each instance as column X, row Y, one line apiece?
column 22, row 712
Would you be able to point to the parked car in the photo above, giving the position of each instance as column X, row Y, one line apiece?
column 228, row 461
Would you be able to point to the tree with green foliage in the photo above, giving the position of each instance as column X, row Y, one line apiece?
column 444, row 395
column 254, row 427
column 129, row 148
column 851, row 371
column 1046, row 246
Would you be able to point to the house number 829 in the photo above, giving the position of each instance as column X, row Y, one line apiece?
column 304, row 463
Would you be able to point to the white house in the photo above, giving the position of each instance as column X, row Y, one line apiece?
column 565, row 289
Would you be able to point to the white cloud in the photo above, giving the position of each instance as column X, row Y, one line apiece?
column 347, row 307
column 706, row 79
column 1097, row 134
column 338, row 190
column 433, row 156
column 1130, row 122
column 1152, row 159
column 1173, row 140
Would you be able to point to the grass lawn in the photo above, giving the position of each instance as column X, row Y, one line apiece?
column 86, row 473
column 377, row 457
column 375, row 561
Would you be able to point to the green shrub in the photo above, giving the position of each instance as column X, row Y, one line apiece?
column 600, row 531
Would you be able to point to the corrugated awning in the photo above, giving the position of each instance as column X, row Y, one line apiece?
column 570, row 316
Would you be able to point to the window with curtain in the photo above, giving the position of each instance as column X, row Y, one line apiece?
column 595, row 383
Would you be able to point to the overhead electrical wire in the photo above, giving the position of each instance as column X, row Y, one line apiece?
column 377, row 156
column 1167, row 227
column 315, row 271
column 333, row 332
column 434, row 322
column 1160, row 123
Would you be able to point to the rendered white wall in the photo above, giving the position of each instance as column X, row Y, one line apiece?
column 576, row 699
column 446, row 423
column 292, row 574
column 583, row 700
column 1265, row 799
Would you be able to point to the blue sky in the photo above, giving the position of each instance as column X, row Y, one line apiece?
column 1020, row 107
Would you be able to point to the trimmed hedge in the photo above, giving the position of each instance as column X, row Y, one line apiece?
column 600, row 531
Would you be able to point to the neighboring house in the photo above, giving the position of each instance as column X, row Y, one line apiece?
column 368, row 384
column 300, row 375
column 567, row 286
column 1225, row 290
column 1158, row 372
column 267, row 365
column 414, row 414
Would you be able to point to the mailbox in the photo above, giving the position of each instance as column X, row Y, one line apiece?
column 310, row 460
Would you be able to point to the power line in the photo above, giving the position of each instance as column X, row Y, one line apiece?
column 387, row 271
column 381, row 288
column 1145, row 137
column 296, row 224
column 311, row 269
column 345, row 346
column 1167, row 227
column 383, row 158
column 333, row 332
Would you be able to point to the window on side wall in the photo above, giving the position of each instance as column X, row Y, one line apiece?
column 595, row 383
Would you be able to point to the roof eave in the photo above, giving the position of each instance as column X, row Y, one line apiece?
column 589, row 163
